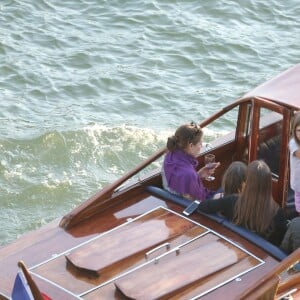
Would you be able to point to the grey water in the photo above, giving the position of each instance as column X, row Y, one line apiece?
column 90, row 88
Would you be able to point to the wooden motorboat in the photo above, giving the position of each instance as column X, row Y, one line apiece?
column 131, row 240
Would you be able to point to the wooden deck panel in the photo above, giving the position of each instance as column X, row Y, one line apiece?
column 77, row 281
column 171, row 227
column 59, row 272
column 244, row 262
column 132, row 239
column 161, row 279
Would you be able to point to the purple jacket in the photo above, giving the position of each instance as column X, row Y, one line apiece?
column 179, row 169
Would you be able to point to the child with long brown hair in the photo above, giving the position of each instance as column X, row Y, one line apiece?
column 254, row 208
column 233, row 179
column 294, row 147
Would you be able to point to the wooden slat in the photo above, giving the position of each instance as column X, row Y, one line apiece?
column 165, row 277
column 131, row 239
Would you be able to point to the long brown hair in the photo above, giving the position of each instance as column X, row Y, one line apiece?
column 255, row 207
column 296, row 123
column 184, row 135
column 234, row 177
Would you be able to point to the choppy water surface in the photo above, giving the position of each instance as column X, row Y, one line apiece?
column 90, row 88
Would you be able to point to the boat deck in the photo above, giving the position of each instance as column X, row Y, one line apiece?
column 148, row 236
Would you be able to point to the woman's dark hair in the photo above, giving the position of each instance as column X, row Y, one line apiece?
column 184, row 135
column 255, row 207
column 296, row 123
column 234, row 177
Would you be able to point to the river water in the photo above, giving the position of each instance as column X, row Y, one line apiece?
column 90, row 88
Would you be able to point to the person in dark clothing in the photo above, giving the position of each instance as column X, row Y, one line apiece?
column 254, row 208
column 233, row 179
column 291, row 240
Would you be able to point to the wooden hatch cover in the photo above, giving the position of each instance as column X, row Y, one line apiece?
column 166, row 276
column 128, row 240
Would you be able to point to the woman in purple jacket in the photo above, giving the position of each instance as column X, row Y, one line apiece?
column 179, row 168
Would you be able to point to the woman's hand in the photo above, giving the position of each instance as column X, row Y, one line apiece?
column 208, row 170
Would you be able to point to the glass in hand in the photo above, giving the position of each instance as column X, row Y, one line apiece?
column 209, row 160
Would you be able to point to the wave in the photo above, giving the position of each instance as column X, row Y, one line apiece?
column 95, row 150
column 43, row 177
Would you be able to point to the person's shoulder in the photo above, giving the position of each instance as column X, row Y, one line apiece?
column 295, row 223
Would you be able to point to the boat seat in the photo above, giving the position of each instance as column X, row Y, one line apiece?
column 245, row 233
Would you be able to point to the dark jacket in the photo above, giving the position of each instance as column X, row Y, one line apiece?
column 291, row 240
column 225, row 206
